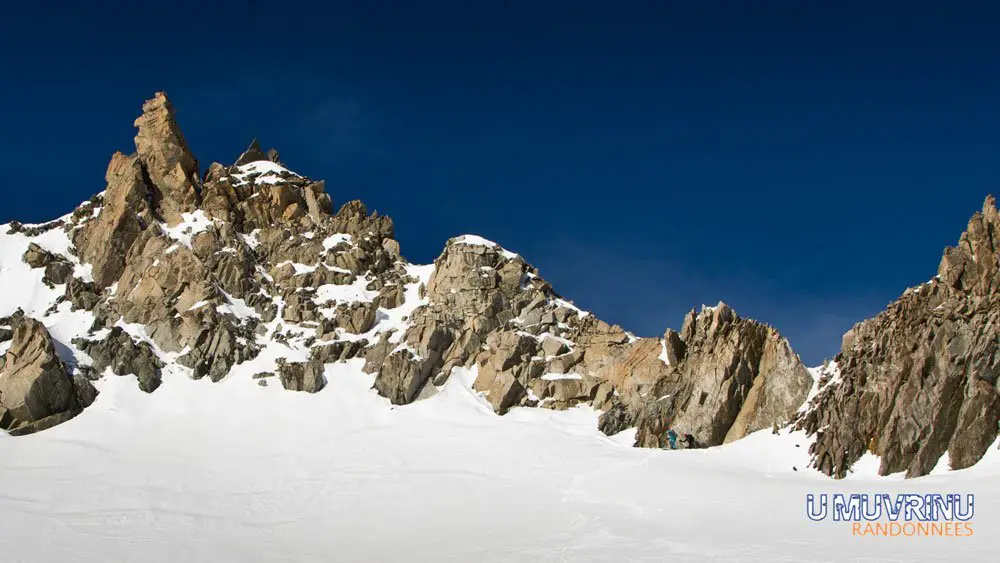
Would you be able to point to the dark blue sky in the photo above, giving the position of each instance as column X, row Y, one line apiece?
column 803, row 164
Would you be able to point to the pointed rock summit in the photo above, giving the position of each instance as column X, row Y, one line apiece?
column 971, row 266
column 166, row 160
column 253, row 154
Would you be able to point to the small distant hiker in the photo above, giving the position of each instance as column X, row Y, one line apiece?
column 689, row 442
column 672, row 436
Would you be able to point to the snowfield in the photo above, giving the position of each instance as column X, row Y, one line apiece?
column 238, row 472
column 235, row 472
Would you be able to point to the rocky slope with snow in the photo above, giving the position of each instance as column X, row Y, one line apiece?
column 247, row 273
column 920, row 380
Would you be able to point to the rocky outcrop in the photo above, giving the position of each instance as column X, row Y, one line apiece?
column 58, row 270
column 166, row 160
column 124, row 356
column 81, row 294
column 302, row 376
column 354, row 318
column 737, row 376
column 477, row 291
column 37, row 257
column 719, row 379
column 920, row 379
column 105, row 242
column 254, row 153
column 36, row 390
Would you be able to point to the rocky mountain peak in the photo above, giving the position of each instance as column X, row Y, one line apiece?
column 707, row 321
column 248, row 274
column 725, row 377
column 972, row 266
column 920, row 380
column 253, row 153
column 166, row 159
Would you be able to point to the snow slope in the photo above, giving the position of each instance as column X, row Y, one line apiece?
column 236, row 472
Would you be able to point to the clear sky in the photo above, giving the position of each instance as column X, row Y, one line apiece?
column 804, row 164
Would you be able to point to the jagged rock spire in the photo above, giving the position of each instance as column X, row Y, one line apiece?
column 252, row 154
column 166, row 159
column 255, row 153
column 973, row 264
column 921, row 378
column 104, row 242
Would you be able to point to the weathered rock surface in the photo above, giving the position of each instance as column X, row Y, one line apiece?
column 36, row 390
column 37, row 257
column 253, row 154
column 166, row 160
column 125, row 357
column 921, row 378
column 81, row 294
column 57, row 269
column 477, row 290
column 105, row 242
column 721, row 378
column 302, row 376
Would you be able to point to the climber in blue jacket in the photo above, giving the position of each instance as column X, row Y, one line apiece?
column 672, row 437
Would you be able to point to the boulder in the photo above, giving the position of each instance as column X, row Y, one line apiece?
column 565, row 392
column 338, row 351
column 617, row 418
column 501, row 388
column 302, row 376
column 36, row 391
column 218, row 196
column 402, row 376
column 38, row 257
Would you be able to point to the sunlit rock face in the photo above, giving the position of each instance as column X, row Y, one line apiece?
column 250, row 271
column 920, row 379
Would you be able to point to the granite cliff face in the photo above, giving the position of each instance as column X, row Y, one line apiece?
column 247, row 272
column 920, row 379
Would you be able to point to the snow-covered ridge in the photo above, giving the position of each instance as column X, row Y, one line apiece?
column 476, row 240
column 262, row 172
